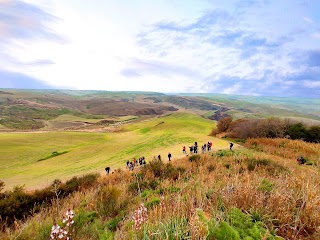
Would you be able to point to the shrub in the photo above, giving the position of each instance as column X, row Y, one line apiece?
column 224, row 124
column 223, row 231
column 211, row 168
column 112, row 224
column 253, row 163
column 221, row 153
column 153, row 202
column 153, row 184
column 297, row 131
column 194, row 158
column 313, row 134
column 156, row 166
column 238, row 225
column 110, row 201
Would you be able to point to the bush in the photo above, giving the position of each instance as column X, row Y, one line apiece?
column 223, row 231
column 156, row 166
column 194, row 158
column 153, row 202
column 224, row 124
column 110, row 201
column 112, row 224
column 238, row 225
column 297, row 131
column 253, row 163
column 153, row 184
column 266, row 186
column 313, row 134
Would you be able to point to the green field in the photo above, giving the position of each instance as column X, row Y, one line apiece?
column 91, row 152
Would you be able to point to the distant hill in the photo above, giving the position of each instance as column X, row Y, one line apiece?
column 39, row 109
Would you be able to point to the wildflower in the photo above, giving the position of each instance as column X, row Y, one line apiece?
column 140, row 216
column 58, row 232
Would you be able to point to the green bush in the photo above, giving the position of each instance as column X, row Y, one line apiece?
column 223, row 231
column 153, row 202
column 153, row 184
column 297, row 131
column 238, row 225
column 113, row 224
column 266, row 186
column 83, row 218
column 221, row 153
column 313, row 134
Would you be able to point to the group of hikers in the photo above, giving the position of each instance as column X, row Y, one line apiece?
column 193, row 149
column 134, row 162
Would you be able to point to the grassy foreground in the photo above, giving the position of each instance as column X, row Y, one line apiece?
column 257, row 192
column 26, row 159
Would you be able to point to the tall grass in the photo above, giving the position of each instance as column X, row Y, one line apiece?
column 275, row 199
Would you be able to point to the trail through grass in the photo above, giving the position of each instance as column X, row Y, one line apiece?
column 92, row 152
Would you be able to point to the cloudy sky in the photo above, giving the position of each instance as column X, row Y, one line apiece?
column 247, row 47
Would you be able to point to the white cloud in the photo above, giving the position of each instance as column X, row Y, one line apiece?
column 312, row 84
column 168, row 46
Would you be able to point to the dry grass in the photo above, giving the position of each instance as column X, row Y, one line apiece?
column 267, row 185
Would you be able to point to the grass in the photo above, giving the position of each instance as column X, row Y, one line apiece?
column 197, row 203
column 92, row 152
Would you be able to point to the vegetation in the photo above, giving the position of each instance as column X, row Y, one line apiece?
column 256, row 191
column 91, row 152
column 263, row 194
column 267, row 128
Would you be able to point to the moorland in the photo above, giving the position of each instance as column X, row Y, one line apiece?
column 55, row 144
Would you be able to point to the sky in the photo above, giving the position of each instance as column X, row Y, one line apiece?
column 245, row 47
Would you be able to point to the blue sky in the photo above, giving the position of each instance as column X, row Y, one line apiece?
column 247, row 47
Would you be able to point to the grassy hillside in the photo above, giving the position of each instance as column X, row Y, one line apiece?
column 42, row 109
column 257, row 192
column 20, row 153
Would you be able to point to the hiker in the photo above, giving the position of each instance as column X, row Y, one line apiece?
column 195, row 148
column 184, row 149
column 169, row 156
column 209, row 146
column 131, row 166
column 231, row 145
column 107, row 169
column 191, row 149
column 203, row 149
column 159, row 157
column 301, row 160
column 134, row 161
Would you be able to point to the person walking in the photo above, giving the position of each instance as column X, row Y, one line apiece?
column 231, row 145
column 169, row 156
column 184, row 149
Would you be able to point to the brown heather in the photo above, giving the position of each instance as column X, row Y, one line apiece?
column 263, row 180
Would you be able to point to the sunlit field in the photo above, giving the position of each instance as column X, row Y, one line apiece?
column 22, row 154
